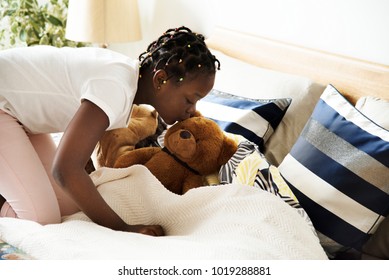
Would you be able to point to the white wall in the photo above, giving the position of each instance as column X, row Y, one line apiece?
column 159, row 15
column 357, row 28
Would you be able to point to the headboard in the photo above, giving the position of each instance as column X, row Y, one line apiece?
column 353, row 77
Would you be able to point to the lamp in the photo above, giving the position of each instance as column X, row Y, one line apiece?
column 103, row 21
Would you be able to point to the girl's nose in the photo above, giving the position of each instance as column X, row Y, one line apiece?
column 192, row 109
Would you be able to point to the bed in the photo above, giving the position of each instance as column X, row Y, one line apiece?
column 310, row 181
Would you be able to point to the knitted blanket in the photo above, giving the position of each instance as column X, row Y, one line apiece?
column 214, row 222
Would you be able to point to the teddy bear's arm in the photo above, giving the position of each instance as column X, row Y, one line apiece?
column 138, row 156
column 192, row 182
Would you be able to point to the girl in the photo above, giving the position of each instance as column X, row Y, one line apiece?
column 85, row 92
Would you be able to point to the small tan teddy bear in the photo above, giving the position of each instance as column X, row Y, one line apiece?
column 116, row 142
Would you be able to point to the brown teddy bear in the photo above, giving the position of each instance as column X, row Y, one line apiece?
column 194, row 148
column 143, row 124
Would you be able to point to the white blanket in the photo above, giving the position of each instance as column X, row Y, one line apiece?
column 218, row 222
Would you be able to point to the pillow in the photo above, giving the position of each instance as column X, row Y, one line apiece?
column 377, row 247
column 248, row 166
column 255, row 82
column 254, row 119
column 338, row 170
column 375, row 108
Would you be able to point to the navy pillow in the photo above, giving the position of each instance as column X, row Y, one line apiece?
column 254, row 119
column 339, row 171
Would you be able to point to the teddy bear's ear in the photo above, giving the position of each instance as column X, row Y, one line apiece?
column 228, row 150
column 196, row 114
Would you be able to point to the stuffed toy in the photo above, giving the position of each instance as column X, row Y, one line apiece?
column 193, row 149
column 152, row 140
column 143, row 124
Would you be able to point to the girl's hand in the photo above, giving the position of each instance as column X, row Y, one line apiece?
column 153, row 230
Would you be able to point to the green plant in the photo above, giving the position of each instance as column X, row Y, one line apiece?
column 31, row 22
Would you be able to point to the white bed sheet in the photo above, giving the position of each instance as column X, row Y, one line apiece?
column 218, row 222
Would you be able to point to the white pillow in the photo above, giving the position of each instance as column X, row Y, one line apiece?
column 246, row 80
column 375, row 109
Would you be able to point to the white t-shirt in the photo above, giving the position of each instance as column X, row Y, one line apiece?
column 43, row 86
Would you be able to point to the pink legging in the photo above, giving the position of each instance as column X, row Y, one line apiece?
column 25, row 175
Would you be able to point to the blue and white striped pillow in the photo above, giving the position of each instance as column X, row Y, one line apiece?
column 254, row 119
column 339, row 171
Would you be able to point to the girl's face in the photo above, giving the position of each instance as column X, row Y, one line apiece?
column 176, row 101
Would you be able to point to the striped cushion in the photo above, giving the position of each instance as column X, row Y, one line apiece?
column 254, row 119
column 338, row 170
column 249, row 167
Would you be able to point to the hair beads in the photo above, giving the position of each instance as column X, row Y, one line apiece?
column 179, row 52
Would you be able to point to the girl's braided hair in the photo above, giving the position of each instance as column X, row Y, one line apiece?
column 179, row 52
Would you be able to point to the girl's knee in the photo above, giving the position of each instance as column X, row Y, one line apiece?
column 48, row 217
column 7, row 211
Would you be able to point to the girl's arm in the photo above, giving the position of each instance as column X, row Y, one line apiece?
column 74, row 150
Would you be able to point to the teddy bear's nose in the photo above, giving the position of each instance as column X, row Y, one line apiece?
column 185, row 134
